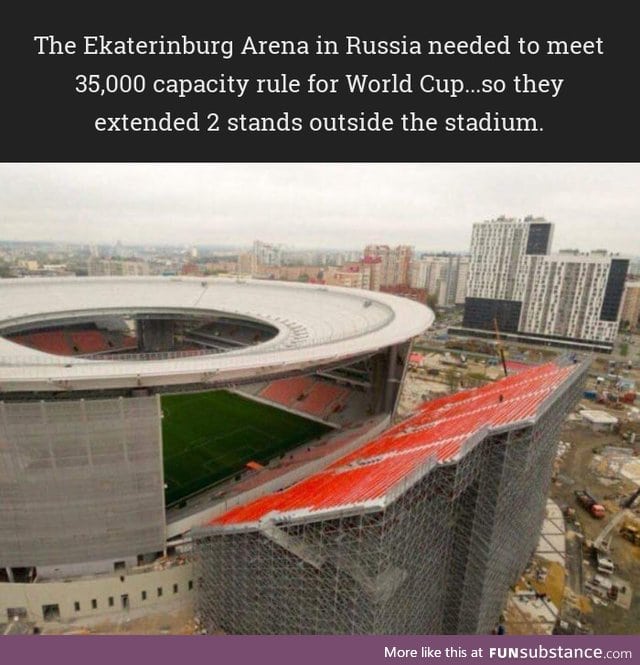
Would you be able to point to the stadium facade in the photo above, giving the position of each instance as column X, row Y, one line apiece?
column 422, row 530
column 82, row 475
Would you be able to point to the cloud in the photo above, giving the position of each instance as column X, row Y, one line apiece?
column 431, row 206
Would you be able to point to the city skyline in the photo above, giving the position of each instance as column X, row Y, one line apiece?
column 323, row 206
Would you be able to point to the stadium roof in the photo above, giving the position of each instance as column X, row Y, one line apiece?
column 316, row 325
column 441, row 431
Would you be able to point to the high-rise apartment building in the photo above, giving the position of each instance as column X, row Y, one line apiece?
column 631, row 304
column 364, row 274
column 351, row 277
column 395, row 263
column 461, row 283
column 564, row 298
column 634, row 267
column 265, row 254
column 443, row 276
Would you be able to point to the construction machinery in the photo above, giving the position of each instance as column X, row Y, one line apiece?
column 594, row 508
column 631, row 533
column 628, row 397
column 604, row 564
column 630, row 500
column 499, row 346
column 603, row 542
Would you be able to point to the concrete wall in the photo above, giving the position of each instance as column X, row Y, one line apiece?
column 32, row 597
column 86, row 568
column 80, row 481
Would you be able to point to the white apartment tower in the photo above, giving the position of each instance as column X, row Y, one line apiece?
column 265, row 254
column 443, row 276
column 564, row 298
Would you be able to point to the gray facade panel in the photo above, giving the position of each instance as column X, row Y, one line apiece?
column 539, row 239
column 483, row 313
column 80, row 481
column 614, row 289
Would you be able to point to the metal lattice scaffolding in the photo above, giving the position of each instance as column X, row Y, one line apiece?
column 434, row 553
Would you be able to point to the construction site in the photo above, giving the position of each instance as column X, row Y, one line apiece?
column 584, row 576
column 597, row 487
column 480, row 487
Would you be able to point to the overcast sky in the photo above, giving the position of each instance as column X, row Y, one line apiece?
column 430, row 206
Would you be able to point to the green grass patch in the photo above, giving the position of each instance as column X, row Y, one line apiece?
column 209, row 437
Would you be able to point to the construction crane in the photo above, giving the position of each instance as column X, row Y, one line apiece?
column 628, row 502
column 603, row 542
column 499, row 345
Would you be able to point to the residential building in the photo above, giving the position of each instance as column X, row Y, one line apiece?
column 443, row 276
column 351, row 277
column 265, row 254
column 631, row 304
column 117, row 268
column 568, row 298
column 395, row 263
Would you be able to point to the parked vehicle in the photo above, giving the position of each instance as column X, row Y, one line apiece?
column 594, row 508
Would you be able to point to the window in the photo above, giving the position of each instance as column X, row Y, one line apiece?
column 159, row 591
column 76, row 606
column 144, row 595
column 15, row 613
column 50, row 612
column 175, row 588
column 190, row 585
column 110, row 601
column 94, row 604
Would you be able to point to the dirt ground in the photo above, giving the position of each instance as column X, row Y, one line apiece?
column 172, row 621
column 553, row 584
column 574, row 474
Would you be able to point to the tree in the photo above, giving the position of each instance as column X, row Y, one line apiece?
column 451, row 377
column 5, row 269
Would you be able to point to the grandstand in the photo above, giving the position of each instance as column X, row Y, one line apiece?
column 224, row 334
column 74, row 341
column 422, row 530
column 324, row 398
column 288, row 392
column 89, row 341
column 314, row 396
column 49, row 342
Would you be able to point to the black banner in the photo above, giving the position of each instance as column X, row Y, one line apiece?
column 319, row 82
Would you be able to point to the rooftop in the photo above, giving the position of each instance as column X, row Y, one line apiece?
column 316, row 325
column 598, row 417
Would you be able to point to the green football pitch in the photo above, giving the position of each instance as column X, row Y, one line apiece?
column 208, row 437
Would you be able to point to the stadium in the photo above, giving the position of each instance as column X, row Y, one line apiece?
column 234, row 441
column 133, row 408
